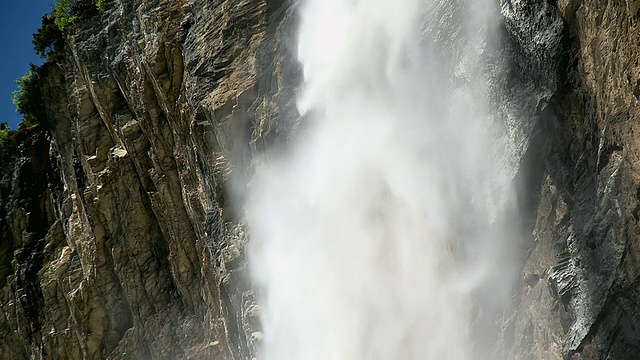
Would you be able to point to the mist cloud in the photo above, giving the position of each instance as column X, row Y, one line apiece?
column 370, row 236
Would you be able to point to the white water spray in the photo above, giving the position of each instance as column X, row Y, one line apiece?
column 369, row 236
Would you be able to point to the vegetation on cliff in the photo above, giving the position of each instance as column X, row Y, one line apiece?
column 5, row 136
column 48, row 42
column 28, row 99
column 67, row 11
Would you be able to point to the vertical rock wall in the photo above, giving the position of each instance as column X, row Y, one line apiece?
column 580, row 296
column 155, row 107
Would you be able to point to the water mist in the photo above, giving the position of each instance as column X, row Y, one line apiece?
column 374, row 235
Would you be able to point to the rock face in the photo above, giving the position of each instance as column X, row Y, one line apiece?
column 121, row 235
column 580, row 295
column 105, row 249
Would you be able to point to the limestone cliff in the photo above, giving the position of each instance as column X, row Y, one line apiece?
column 120, row 232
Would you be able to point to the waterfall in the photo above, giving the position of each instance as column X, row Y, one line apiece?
column 376, row 235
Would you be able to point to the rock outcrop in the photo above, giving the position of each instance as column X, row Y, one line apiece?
column 121, row 232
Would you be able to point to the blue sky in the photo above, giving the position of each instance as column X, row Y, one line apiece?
column 19, row 19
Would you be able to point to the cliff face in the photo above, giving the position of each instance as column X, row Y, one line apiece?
column 580, row 294
column 121, row 236
column 109, row 253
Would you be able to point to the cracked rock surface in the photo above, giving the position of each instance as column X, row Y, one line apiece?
column 105, row 248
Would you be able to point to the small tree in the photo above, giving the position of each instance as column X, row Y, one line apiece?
column 28, row 99
column 49, row 40
column 63, row 13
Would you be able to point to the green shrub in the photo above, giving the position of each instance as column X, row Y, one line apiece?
column 28, row 99
column 4, row 133
column 6, row 142
column 67, row 11
column 49, row 40
column 63, row 13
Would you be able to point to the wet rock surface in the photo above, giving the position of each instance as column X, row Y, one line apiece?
column 586, row 232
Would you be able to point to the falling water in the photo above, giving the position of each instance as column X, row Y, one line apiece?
column 375, row 236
